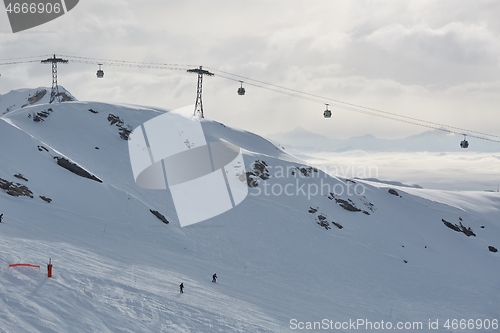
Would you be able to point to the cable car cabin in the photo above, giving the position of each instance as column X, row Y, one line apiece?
column 327, row 114
column 241, row 90
column 100, row 74
column 464, row 143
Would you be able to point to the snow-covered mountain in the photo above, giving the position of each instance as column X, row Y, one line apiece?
column 20, row 98
column 303, row 250
column 431, row 141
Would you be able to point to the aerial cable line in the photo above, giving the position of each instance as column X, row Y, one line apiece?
column 130, row 65
column 413, row 123
column 349, row 107
column 125, row 61
column 17, row 58
column 19, row 62
column 279, row 89
column 345, row 103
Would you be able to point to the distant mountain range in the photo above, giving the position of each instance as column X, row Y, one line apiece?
column 432, row 141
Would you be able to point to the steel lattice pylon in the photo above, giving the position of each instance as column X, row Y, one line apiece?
column 54, row 94
column 198, row 107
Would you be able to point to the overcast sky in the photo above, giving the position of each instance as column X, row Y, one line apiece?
column 435, row 60
column 455, row 171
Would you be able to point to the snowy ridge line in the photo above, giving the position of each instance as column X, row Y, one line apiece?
column 8, row 121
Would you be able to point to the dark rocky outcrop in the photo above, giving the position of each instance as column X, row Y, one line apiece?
column 492, row 249
column 65, row 97
column 40, row 116
column 459, row 228
column 251, row 179
column 306, row 172
column 322, row 222
column 393, row 192
column 159, row 215
column 123, row 130
column 44, row 198
column 259, row 172
column 124, row 133
column 346, row 204
column 37, row 96
column 77, row 170
column 15, row 189
column 260, row 169
column 338, row 225
column 20, row 176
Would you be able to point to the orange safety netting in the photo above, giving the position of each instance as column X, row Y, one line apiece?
column 26, row 265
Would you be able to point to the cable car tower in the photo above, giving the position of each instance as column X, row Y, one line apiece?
column 54, row 94
column 198, row 107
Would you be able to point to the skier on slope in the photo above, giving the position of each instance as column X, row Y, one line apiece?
column 214, row 277
column 181, row 287
column 1, row 217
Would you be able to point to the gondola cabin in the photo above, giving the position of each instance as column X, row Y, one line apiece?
column 100, row 72
column 241, row 90
column 327, row 113
column 464, row 143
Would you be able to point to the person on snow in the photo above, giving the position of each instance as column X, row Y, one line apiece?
column 1, row 217
column 181, row 287
column 214, row 277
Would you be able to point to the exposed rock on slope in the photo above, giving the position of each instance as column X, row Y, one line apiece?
column 459, row 228
column 15, row 189
column 77, row 170
column 123, row 130
column 160, row 216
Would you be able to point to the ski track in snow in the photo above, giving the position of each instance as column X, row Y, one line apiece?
column 85, row 284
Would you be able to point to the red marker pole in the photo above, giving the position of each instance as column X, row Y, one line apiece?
column 49, row 268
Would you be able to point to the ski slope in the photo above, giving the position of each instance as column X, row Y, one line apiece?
column 117, row 267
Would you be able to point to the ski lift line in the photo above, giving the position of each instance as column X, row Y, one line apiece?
column 416, row 119
column 367, row 112
column 310, row 99
column 352, row 107
column 126, row 61
column 19, row 62
column 412, row 123
column 276, row 88
column 18, row 58
column 131, row 65
column 346, row 103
